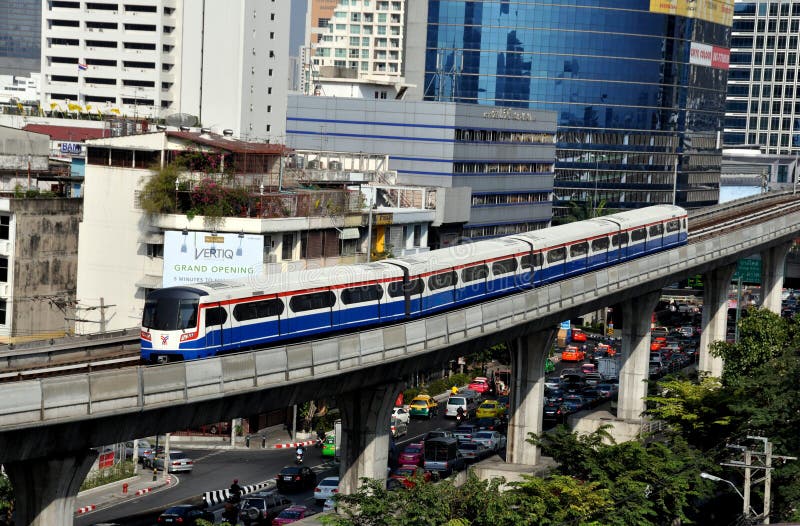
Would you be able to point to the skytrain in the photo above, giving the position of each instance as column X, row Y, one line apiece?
column 207, row 319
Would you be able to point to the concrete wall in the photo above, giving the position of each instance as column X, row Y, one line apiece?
column 45, row 266
column 17, row 145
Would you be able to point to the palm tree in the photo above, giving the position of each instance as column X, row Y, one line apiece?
column 582, row 210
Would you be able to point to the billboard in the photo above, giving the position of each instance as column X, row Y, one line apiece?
column 709, row 56
column 194, row 257
column 716, row 11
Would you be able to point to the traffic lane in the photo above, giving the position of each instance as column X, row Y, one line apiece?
column 213, row 470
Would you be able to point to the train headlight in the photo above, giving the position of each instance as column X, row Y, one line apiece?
column 185, row 337
column 144, row 335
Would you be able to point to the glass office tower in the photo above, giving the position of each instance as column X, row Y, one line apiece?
column 20, row 36
column 638, row 85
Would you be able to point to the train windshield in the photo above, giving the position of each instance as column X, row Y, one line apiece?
column 170, row 314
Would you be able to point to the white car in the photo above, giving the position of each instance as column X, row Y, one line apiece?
column 327, row 488
column 400, row 414
column 493, row 440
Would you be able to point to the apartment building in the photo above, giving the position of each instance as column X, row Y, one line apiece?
column 20, row 36
column 222, row 62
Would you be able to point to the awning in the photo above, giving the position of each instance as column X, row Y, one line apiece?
column 149, row 282
column 152, row 238
column 349, row 233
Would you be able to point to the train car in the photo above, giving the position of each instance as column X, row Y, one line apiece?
column 207, row 319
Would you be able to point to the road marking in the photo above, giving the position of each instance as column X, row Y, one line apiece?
column 215, row 453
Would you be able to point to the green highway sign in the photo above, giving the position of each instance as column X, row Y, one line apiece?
column 748, row 270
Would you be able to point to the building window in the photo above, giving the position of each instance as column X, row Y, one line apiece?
column 3, row 308
column 5, row 222
column 4, row 270
column 417, row 235
column 155, row 250
column 287, row 247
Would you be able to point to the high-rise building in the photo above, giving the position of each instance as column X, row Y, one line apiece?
column 20, row 36
column 638, row 86
column 763, row 77
column 224, row 62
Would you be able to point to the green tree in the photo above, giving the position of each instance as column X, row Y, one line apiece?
column 158, row 195
column 581, row 211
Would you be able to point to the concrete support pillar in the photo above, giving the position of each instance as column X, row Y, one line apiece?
column 636, row 316
column 528, row 355
column 366, row 416
column 45, row 488
column 716, row 285
column 773, row 262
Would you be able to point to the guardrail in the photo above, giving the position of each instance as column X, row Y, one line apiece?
column 71, row 398
column 735, row 204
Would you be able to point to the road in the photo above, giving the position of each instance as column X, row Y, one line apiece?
column 216, row 469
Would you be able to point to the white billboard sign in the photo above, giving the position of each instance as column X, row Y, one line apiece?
column 203, row 256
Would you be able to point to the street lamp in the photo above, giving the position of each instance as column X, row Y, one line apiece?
column 714, row 478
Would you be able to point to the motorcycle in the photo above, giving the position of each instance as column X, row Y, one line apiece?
column 459, row 417
column 298, row 458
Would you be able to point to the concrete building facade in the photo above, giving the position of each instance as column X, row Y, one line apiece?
column 224, row 62
column 500, row 161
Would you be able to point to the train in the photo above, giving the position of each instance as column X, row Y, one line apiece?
column 208, row 319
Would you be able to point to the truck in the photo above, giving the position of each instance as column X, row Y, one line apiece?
column 608, row 367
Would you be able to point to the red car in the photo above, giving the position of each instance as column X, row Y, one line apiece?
column 412, row 455
column 291, row 514
column 479, row 385
column 404, row 474
column 578, row 335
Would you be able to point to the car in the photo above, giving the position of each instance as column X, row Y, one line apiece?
column 143, row 446
column 572, row 354
column 260, row 508
column 555, row 411
column 398, row 428
column 592, row 397
column 505, row 401
column 412, row 454
column 327, row 487
column 401, row 415
column 464, row 402
column 608, row 391
column 578, row 336
column 493, row 440
column 178, row 462
column 329, row 446
column 490, row 408
column 437, row 433
column 293, row 478
column 465, row 431
column 587, row 368
column 149, row 454
column 552, row 382
column 574, row 403
column 592, row 379
column 554, row 395
column 569, row 371
column 407, row 473
column 184, row 515
column 423, row 406
column 472, row 451
column 479, row 385
column 291, row 514
column 489, row 423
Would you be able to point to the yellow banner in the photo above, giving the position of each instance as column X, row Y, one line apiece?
column 716, row 11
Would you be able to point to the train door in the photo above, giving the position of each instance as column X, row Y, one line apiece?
column 619, row 243
column 215, row 319
column 655, row 237
column 441, row 290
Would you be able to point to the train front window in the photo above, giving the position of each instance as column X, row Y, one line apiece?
column 169, row 314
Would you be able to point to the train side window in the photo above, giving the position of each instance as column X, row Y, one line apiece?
column 312, row 301
column 578, row 250
column 619, row 239
column 684, row 224
column 361, row 294
column 443, row 280
column 504, row 266
column 600, row 244
column 557, row 254
column 415, row 286
column 216, row 316
column 474, row 273
column 258, row 309
column 656, row 230
column 638, row 234
column 525, row 261
column 673, row 226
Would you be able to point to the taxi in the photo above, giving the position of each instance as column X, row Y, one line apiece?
column 423, row 406
column 490, row 409
column 572, row 354
column 329, row 446
column 578, row 336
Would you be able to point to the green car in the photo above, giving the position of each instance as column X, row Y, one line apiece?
column 549, row 366
column 329, row 446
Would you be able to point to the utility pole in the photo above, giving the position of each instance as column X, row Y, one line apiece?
column 755, row 460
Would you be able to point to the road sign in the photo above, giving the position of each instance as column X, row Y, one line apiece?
column 748, row 270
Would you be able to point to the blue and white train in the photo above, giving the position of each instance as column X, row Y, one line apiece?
column 207, row 319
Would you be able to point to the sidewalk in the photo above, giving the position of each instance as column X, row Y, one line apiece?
column 111, row 494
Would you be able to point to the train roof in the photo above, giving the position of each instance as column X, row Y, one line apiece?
column 463, row 254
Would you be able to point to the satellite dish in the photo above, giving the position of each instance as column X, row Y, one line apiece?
column 180, row 119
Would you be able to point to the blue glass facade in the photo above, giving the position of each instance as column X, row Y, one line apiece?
column 630, row 104
column 20, row 36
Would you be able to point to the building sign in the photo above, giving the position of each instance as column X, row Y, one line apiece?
column 72, row 148
column 709, row 56
column 716, row 11
column 201, row 256
column 509, row 115
column 748, row 270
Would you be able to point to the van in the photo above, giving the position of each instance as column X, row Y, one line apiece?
column 465, row 401
column 442, row 456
